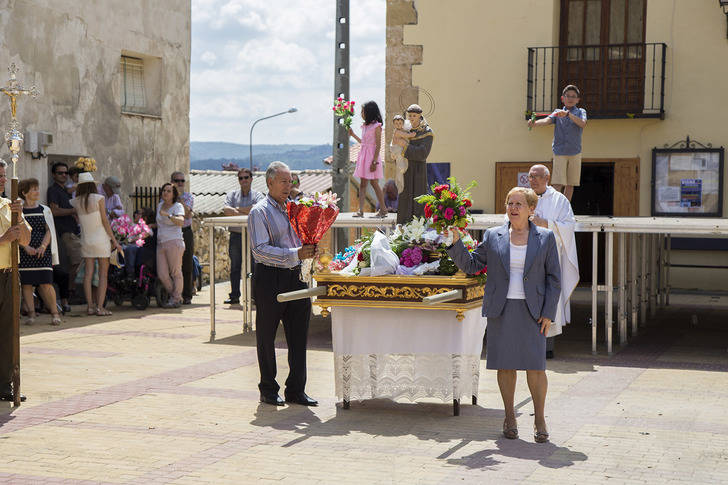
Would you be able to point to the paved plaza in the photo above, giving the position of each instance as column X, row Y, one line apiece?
column 143, row 397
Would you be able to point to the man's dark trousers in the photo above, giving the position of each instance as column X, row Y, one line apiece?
column 187, row 272
column 6, row 332
column 295, row 315
column 236, row 260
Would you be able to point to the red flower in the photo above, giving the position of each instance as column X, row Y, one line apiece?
column 438, row 190
column 453, row 195
column 428, row 210
column 352, row 103
column 360, row 257
column 467, row 203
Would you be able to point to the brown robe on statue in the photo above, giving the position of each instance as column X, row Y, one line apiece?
column 415, row 178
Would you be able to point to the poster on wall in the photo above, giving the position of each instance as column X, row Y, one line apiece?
column 687, row 182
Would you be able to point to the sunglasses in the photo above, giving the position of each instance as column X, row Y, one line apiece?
column 244, row 177
column 179, row 181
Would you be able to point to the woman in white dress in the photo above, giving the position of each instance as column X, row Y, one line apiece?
column 96, row 240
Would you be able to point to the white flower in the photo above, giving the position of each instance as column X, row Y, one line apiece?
column 414, row 230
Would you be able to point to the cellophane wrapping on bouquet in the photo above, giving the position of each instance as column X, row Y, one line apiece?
column 312, row 216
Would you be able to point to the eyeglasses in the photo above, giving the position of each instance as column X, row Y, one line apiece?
column 515, row 205
column 179, row 181
column 244, row 177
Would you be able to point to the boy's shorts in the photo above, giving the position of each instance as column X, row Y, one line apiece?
column 567, row 170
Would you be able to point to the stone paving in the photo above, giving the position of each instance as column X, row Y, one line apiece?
column 143, row 397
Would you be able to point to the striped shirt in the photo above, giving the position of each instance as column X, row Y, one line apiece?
column 272, row 239
column 187, row 200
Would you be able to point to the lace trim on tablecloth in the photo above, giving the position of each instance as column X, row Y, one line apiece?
column 406, row 376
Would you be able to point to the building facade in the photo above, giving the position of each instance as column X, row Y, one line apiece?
column 651, row 73
column 114, row 82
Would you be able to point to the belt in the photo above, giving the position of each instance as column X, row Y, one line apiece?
column 295, row 268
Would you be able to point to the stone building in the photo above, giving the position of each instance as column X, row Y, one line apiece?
column 114, row 78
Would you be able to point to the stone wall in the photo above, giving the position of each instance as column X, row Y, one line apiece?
column 72, row 52
column 202, row 250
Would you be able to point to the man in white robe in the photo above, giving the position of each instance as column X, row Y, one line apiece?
column 554, row 212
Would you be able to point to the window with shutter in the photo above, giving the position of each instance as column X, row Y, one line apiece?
column 133, row 96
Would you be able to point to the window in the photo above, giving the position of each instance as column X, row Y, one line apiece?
column 133, row 98
column 141, row 84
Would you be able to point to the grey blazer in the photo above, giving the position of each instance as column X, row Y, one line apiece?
column 541, row 273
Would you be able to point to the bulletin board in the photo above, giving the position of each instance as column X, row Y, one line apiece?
column 687, row 182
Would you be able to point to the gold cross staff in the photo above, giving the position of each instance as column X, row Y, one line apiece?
column 14, row 139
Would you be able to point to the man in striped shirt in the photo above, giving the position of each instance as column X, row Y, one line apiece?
column 278, row 252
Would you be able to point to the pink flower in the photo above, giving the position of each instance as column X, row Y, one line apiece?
column 462, row 210
column 139, row 242
column 449, row 213
column 439, row 207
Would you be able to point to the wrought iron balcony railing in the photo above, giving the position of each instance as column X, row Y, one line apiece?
column 616, row 80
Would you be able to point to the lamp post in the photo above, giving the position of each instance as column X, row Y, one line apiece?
column 290, row 110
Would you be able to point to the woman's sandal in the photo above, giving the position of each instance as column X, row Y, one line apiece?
column 90, row 311
column 56, row 320
column 103, row 312
column 379, row 215
column 540, row 436
column 358, row 214
column 510, row 433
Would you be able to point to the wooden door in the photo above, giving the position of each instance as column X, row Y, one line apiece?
column 602, row 52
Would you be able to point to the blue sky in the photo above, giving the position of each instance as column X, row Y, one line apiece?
column 254, row 58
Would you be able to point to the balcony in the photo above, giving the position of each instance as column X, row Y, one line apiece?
column 616, row 80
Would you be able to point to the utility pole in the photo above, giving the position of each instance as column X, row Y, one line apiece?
column 340, row 176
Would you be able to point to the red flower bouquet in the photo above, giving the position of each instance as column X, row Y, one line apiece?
column 312, row 216
column 448, row 205
column 345, row 110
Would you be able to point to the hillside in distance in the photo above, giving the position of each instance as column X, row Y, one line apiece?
column 211, row 155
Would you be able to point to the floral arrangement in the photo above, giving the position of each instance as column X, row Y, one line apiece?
column 311, row 216
column 86, row 164
column 126, row 232
column 448, row 205
column 345, row 110
column 420, row 249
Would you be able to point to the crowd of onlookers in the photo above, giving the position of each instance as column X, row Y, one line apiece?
column 72, row 241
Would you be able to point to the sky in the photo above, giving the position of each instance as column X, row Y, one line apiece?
column 254, row 58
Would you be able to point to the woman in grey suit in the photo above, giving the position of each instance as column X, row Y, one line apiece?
column 521, row 294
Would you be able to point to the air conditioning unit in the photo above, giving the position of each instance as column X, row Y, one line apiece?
column 36, row 143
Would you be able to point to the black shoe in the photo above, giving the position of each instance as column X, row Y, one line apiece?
column 274, row 400
column 10, row 398
column 65, row 308
column 232, row 301
column 187, row 301
column 549, row 354
column 301, row 398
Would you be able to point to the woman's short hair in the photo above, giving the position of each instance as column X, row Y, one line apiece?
column 25, row 185
column 528, row 193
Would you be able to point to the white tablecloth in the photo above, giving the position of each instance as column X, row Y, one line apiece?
column 409, row 354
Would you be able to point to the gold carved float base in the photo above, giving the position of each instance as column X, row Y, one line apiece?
column 395, row 291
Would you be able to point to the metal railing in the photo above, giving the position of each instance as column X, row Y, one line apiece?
column 616, row 80
column 145, row 197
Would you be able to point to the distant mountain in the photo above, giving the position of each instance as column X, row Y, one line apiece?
column 211, row 155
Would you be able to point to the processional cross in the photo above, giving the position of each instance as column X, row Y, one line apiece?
column 14, row 140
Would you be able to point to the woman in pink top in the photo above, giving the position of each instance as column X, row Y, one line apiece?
column 369, row 167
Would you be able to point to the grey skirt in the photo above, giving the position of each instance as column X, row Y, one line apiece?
column 514, row 340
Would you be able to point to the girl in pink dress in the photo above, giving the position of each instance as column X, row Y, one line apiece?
column 369, row 167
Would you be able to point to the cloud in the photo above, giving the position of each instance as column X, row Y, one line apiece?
column 254, row 58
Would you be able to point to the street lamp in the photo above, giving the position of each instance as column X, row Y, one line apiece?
column 291, row 110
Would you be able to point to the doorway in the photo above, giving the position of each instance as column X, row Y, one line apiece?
column 602, row 52
column 594, row 197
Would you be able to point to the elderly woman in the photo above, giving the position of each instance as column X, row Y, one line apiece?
column 520, row 300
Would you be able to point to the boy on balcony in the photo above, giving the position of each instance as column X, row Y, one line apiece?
column 569, row 124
